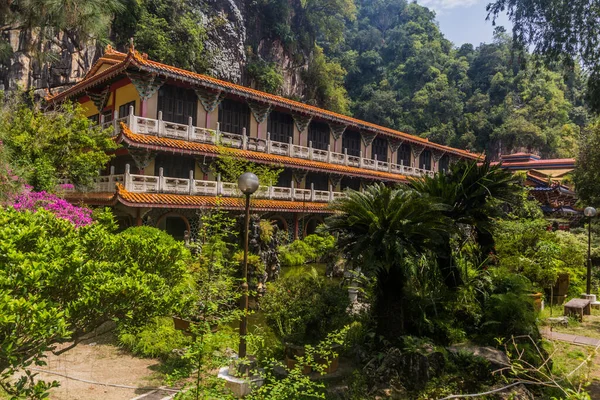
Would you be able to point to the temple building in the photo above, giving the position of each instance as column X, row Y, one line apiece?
column 549, row 183
column 173, row 124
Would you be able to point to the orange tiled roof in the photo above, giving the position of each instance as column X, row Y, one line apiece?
column 160, row 143
column 194, row 202
column 141, row 62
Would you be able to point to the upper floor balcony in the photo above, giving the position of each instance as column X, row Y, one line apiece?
column 160, row 128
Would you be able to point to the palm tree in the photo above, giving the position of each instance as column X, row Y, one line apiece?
column 378, row 229
column 473, row 194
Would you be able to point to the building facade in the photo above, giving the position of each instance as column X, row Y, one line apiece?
column 173, row 124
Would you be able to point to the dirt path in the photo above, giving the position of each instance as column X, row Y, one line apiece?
column 99, row 360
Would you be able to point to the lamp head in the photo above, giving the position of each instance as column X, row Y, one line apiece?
column 589, row 212
column 248, row 183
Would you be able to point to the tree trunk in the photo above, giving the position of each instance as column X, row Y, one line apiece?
column 389, row 307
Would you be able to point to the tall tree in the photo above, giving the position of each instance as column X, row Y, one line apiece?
column 559, row 30
column 379, row 229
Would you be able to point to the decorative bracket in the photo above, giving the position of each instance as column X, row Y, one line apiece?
column 335, row 179
column 260, row 111
column 204, row 165
column 209, row 99
column 368, row 137
column 301, row 121
column 337, row 130
column 417, row 149
column 142, row 158
column 299, row 175
column 394, row 144
column 100, row 99
column 145, row 85
column 436, row 155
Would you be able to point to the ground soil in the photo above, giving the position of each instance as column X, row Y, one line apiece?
column 99, row 359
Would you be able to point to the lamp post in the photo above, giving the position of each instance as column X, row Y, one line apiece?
column 589, row 212
column 247, row 183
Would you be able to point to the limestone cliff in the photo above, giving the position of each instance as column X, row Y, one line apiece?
column 231, row 35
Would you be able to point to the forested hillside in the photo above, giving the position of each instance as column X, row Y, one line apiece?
column 384, row 61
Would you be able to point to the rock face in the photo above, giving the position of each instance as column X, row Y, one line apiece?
column 231, row 33
column 498, row 359
column 24, row 70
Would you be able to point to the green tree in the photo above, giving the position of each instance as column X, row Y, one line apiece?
column 58, row 282
column 52, row 145
column 587, row 170
column 563, row 31
column 379, row 229
column 473, row 194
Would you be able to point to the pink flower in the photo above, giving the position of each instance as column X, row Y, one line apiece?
column 33, row 201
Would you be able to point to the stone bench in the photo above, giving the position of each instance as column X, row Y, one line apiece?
column 578, row 307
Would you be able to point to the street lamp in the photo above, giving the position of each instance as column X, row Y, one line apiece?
column 589, row 212
column 247, row 183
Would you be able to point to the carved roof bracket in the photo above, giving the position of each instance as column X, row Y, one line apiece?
column 394, row 144
column 100, row 99
column 367, row 137
column 337, row 130
column 145, row 84
column 301, row 121
column 299, row 175
column 142, row 158
column 260, row 111
column 209, row 99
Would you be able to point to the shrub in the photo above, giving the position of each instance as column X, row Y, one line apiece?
column 157, row 339
column 312, row 248
column 304, row 309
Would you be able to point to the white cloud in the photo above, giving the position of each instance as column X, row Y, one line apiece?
column 440, row 5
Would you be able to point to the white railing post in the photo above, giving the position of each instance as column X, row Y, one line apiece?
column 290, row 146
column 293, row 191
column 268, row 142
column 127, row 177
column 310, row 150
column 218, row 133
column 345, row 156
column 160, row 179
column 312, row 192
column 360, row 159
column 219, row 187
column 159, row 130
column 190, row 130
column 375, row 164
column 389, row 164
column 111, row 178
column 330, row 192
column 101, row 119
column 191, row 182
column 328, row 153
column 131, row 120
column 270, row 192
column 115, row 123
column 244, row 139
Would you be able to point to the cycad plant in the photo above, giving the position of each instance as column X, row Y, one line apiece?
column 473, row 194
column 378, row 229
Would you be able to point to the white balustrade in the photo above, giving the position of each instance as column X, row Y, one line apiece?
column 158, row 127
column 175, row 185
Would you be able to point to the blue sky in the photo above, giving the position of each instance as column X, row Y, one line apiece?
column 463, row 21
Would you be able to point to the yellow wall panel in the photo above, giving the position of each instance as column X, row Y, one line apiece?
column 126, row 94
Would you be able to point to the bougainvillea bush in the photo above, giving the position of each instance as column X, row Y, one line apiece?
column 32, row 201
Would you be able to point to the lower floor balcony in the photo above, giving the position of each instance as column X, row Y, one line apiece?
column 171, row 185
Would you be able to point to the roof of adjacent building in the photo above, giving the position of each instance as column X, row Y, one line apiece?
column 528, row 161
column 193, row 148
column 131, row 199
column 118, row 62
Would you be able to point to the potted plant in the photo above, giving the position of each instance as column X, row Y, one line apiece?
column 302, row 310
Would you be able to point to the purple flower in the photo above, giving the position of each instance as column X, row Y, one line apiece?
column 33, row 201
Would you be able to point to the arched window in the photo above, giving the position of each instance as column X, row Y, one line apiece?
column 175, row 225
column 318, row 134
column 351, row 142
column 404, row 155
column 444, row 163
column 379, row 147
column 425, row 160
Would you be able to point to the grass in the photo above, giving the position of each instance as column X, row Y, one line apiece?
column 590, row 326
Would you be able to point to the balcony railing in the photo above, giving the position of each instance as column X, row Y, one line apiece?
column 160, row 128
column 164, row 184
